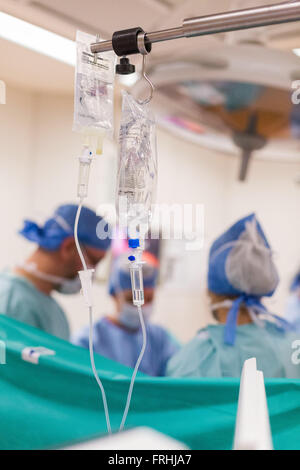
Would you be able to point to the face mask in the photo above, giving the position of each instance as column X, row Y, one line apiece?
column 129, row 315
column 62, row 285
column 69, row 286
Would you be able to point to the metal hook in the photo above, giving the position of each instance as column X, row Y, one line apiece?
column 95, row 53
column 152, row 88
column 144, row 50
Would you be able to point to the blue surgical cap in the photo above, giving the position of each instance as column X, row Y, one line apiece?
column 120, row 275
column 241, row 265
column 61, row 226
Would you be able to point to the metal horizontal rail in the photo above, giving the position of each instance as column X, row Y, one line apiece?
column 222, row 22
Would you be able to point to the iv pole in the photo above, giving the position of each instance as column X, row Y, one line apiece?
column 136, row 40
column 125, row 42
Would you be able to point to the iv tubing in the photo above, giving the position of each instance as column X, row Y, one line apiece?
column 135, row 368
column 91, row 322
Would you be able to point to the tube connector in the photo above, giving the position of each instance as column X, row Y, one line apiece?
column 136, row 275
column 136, row 272
column 85, row 160
column 86, row 277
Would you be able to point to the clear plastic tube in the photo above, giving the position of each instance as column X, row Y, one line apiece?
column 137, row 365
column 84, row 265
column 91, row 349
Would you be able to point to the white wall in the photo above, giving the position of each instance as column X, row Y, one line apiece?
column 273, row 194
column 16, row 137
column 39, row 171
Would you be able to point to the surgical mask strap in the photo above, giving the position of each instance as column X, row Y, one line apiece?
column 227, row 303
column 280, row 322
column 32, row 269
column 256, row 317
column 258, row 308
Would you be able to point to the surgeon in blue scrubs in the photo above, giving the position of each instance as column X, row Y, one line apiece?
column 241, row 272
column 25, row 291
column 119, row 336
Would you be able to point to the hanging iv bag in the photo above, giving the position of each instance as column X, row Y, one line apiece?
column 94, row 88
column 137, row 165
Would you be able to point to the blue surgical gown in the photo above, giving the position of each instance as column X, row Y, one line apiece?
column 21, row 300
column 124, row 346
column 207, row 356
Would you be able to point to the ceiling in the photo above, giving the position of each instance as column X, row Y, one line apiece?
column 30, row 70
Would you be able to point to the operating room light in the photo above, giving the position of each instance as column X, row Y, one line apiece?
column 37, row 39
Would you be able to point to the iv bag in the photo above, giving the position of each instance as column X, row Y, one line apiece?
column 94, row 79
column 137, row 166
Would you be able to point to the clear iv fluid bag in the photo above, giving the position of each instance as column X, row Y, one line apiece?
column 137, row 166
column 94, row 88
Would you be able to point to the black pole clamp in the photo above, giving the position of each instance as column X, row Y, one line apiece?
column 127, row 42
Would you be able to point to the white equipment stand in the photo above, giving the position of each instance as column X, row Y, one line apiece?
column 252, row 429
